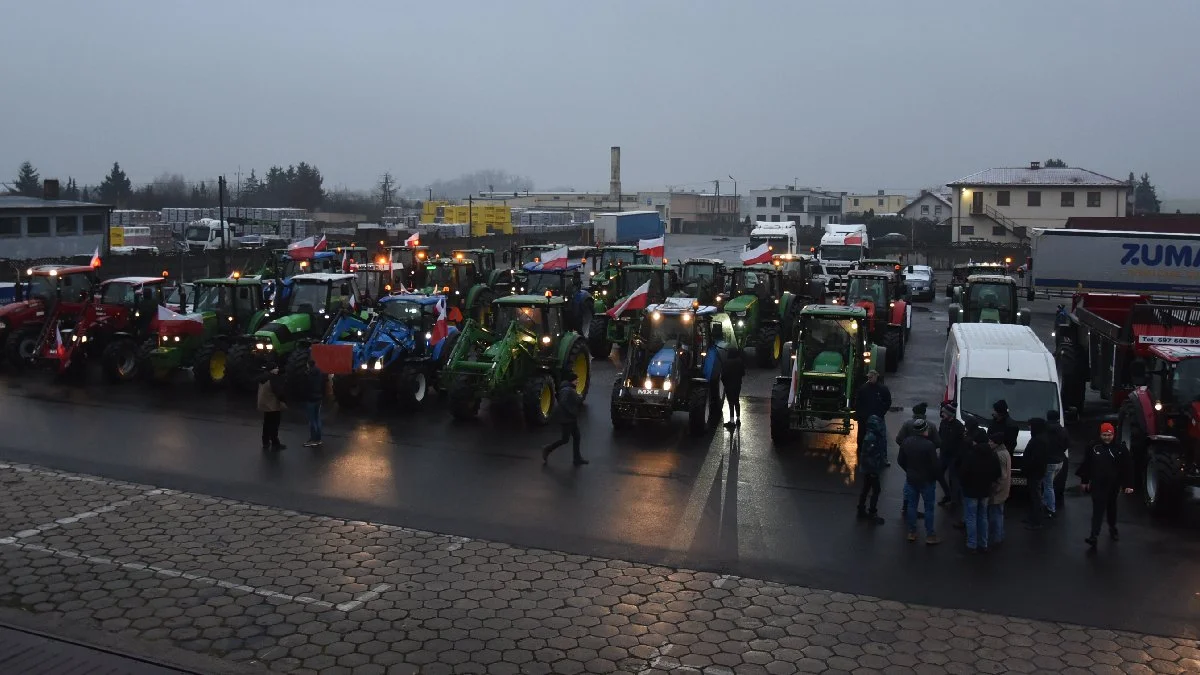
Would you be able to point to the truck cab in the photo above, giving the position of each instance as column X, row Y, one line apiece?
column 841, row 247
column 208, row 234
column 780, row 236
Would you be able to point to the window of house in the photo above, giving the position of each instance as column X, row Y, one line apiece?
column 1034, row 198
column 924, row 209
column 10, row 227
column 856, row 202
column 1068, row 199
column 775, row 218
column 93, row 224
column 966, row 229
column 881, row 202
column 1093, row 199
column 775, row 201
column 66, row 226
column 761, row 201
column 998, row 231
column 937, row 210
column 1003, row 198
column 37, row 226
column 816, row 221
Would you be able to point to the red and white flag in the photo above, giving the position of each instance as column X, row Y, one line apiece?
column 60, row 349
column 554, row 259
column 655, row 248
column 321, row 244
column 635, row 301
column 441, row 327
column 345, row 260
column 414, row 239
column 757, row 256
column 170, row 322
column 303, row 249
column 95, row 258
column 353, row 302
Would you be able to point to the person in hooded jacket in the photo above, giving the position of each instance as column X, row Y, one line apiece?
column 1003, row 422
column 979, row 470
column 1056, row 461
column 918, row 457
column 872, row 458
column 952, row 442
column 1107, row 469
column 906, row 430
column 569, row 405
column 1033, row 465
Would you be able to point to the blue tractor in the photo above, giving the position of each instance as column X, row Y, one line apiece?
column 560, row 282
column 400, row 352
column 673, row 365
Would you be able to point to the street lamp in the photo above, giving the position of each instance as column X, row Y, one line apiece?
column 736, row 200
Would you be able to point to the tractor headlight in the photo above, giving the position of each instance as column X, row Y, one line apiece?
column 604, row 291
column 270, row 346
column 363, row 367
column 741, row 324
column 177, row 338
column 545, row 339
column 667, row 385
column 648, row 384
column 3, row 325
column 1158, row 405
column 259, row 345
column 74, row 338
column 378, row 364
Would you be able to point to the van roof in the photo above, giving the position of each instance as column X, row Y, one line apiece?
column 1002, row 351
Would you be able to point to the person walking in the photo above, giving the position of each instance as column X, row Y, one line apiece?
column 919, row 460
column 951, row 435
column 1107, row 469
column 1000, row 489
column 733, row 369
column 874, row 398
column 872, row 456
column 569, row 405
column 1034, row 463
column 271, row 405
column 1056, row 461
column 978, row 471
column 314, row 393
column 1003, row 422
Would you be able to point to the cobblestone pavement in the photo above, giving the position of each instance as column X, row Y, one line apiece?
column 303, row 593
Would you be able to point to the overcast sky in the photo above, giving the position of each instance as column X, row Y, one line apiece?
column 841, row 94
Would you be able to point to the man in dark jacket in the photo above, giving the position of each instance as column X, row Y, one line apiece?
column 918, row 457
column 1056, row 462
column 1003, row 422
column 1033, row 465
column 271, row 393
column 570, row 404
column 1107, row 468
column 951, row 442
column 874, row 398
column 906, row 430
column 733, row 369
column 872, row 457
column 314, row 393
column 979, row 469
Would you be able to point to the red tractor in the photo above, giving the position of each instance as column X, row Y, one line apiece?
column 48, row 293
column 889, row 320
column 113, row 326
column 1142, row 356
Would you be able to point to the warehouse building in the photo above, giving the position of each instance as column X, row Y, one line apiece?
column 32, row 227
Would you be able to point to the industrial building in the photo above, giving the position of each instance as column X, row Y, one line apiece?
column 33, row 227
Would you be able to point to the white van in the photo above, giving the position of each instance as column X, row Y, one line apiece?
column 986, row 362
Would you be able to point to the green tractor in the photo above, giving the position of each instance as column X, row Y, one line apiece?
column 522, row 361
column 762, row 312
column 703, row 278
column 464, row 285
column 499, row 280
column 611, row 327
column 821, row 371
column 608, row 263
column 221, row 311
column 306, row 306
column 987, row 298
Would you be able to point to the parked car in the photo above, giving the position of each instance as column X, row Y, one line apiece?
column 921, row 283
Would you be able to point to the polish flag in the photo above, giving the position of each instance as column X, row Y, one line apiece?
column 168, row 321
column 854, row 240
column 441, row 328
column 414, row 239
column 303, row 249
column 345, row 260
column 321, row 244
column 95, row 258
column 60, row 349
column 555, row 259
column 636, row 300
column 655, row 248
column 757, row 256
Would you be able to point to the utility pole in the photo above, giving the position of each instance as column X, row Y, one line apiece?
column 717, row 186
column 226, row 234
column 470, row 216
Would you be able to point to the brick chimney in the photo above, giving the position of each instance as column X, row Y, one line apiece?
column 50, row 188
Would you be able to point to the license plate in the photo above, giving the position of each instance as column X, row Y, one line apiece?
column 1018, row 480
column 648, row 392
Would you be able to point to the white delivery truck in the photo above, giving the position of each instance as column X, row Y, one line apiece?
column 208, row 234
column 987, row 362
column 780, row 236
column 1071, row 261
column 841, row 247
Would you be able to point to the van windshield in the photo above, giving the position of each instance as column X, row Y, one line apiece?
column 1026, row 398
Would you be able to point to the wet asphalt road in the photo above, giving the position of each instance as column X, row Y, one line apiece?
column 725, row 503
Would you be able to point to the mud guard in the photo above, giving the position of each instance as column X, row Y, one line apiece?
column 899, row 312
column 711, row 361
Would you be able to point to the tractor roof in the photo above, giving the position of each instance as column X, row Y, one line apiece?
column 538, row 269
column 1175, row 353
column 991, row 279
column 418, row 247
column 583, row 248
column 538, row 247
column 59, row 270
column 450, row 261
column 834, row 310
column 350, row 248
column 135, row 281
column 793, row 256
column 879, row 261
column 648, row 267
column 676, row 306
column 226, row 281
column 703, row 261
column 618, row 247
column 963, row 266
column 522, row 300
column 472, row 250
column 323, row 277
column 416, row 298
column 871, row 274
column 757, row 267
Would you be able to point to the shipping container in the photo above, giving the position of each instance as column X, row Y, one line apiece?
column 1109, row 260
column 627, row 227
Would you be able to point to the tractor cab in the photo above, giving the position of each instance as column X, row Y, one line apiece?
column 802, row 275
column 229, row 301
column 761, row 281
column 521, row 256
column 352, row 257
column 664, row 281
column 499, row 280
column 889, row 319
column 960, row 272
column 566, row 282
column 587, row 256
column 702, row 278
column 48, row 294
column 619, row 256
column 453, row 277
column 408, row 265
column 898, row 289
column 868, row 289
column 322, row 261
column 987, row 298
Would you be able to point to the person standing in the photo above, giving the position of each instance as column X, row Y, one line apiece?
column 569, row 405
column 919, row 460
column 906, row 430
column 733, row 369
column 314, row 393
column 874, row 398
column 978, row 471
column 1056, row 461
column 1003, row 422
column 1033, row 465
column 872, row 456
column 271, row 405
column 952, row 444
column 1107, row 469
column 1000, row 489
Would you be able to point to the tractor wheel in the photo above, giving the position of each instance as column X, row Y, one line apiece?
column 240, row 368
column 1070, row 375
column 412, row 388
column 781, row 427
column 19, row 347
column 537, row 400
column 893, row 344
column 619, row 423
column 578, row 361
column 295, row 371
column 597, row 337
column 1161, row 490
column 120, row 360
column 212, row 366
column 347, row 391
column 769, row 346
column 698, row 410
column 464, row 404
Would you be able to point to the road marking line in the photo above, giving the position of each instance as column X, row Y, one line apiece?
column 20, row 468
column 365, row 597
column 67, row 520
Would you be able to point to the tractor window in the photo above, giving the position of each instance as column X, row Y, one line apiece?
column 867, row 288
column 667, row 330
column 43, row 287
column 554, row 321
column 750, row 282
column 528, row 255
column 990, row 303
column 609, row 258
column 213, row 299
column 699, row 272
column 118, row 293
column 633, row 279
column 1026, row 398
column 540, row 282
column 1185, row 381
column 528, row 319
column 828, row 344
column 312, row 295
column 409, row 313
